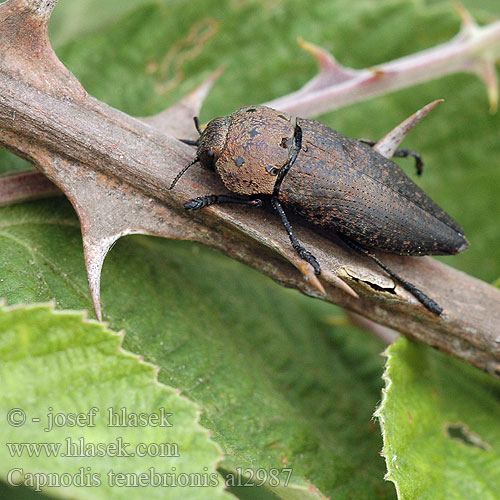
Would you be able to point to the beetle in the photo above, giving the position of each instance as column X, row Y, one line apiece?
column 338, row 185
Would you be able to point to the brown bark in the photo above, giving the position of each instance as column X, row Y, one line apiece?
column 116, row 170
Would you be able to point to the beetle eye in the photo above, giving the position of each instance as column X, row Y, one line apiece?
column 207, row 158
column 210, row 155
column 272, row 170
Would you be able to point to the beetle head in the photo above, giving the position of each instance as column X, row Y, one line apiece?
column 212, row 141
column 248, row 148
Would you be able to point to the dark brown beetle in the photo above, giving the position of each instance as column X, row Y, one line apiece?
column 339, row 185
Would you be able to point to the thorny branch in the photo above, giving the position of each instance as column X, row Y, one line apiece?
column 474, row 50
column 112, row 168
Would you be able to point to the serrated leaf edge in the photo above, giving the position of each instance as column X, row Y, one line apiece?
column 83, row 316
column 379, row 414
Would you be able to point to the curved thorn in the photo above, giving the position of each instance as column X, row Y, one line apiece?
column 339, row 283
column 95, row 253
column 323, row 57
column 195, row 99
column 331, row 71
column 390, row 142
column 177, row 120
column 488, row 73
column 308, row 272
column 468, row 22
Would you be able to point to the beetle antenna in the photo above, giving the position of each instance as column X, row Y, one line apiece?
column 197, row 125
column 182, row 172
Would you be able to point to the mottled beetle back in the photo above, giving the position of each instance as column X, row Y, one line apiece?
column 258, row 144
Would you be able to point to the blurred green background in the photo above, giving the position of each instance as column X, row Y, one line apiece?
column 276, row 374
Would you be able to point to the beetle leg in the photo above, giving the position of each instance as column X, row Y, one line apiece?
column 197, row 125
column 402, row 153
column 425, row 300
column 303, row 253
column 190, row 142
column 214, row 199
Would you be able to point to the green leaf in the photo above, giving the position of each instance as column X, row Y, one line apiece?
column 280, row 387
column 440, row 422
column 57, row 367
